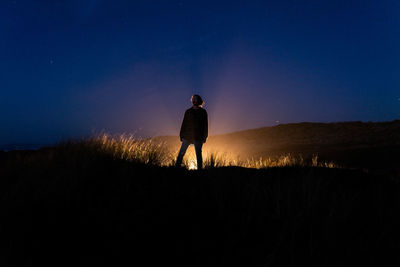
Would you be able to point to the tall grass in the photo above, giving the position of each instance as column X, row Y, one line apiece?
column 148, row 151
column 287, row 160
column 121, row 147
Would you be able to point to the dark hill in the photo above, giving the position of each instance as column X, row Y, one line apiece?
column 370, row 145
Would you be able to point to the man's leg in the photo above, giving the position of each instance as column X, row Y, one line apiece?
column 182, row 151
column 198, row 146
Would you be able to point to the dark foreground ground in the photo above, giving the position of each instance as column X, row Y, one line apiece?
column 75, row 210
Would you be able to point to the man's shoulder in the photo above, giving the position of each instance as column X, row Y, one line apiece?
column 199, row 109
column 203, row 110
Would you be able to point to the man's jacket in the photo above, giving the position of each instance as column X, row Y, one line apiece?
column 194, row 125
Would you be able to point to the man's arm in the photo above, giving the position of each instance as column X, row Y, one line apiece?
column 205, row 133
column 183, row 126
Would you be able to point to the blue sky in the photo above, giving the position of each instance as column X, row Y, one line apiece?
column 74, row 68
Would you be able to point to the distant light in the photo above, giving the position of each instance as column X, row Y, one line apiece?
column 192, row 165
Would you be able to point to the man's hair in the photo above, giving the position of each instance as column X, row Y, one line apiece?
column 197, row 100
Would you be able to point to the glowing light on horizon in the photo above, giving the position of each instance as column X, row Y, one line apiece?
column 192, row 165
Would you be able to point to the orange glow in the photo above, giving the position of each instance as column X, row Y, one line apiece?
column 192, row 165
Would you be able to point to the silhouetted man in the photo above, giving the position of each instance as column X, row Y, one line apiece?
column 194, row 130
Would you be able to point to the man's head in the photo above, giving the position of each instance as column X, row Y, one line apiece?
column 197, row 101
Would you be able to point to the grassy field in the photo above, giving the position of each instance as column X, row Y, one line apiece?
column 117, row 201
column 156, row 153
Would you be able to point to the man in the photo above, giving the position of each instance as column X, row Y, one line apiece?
column 194, row 130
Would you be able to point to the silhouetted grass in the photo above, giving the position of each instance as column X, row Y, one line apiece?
column 124, row 147
column 148, row 151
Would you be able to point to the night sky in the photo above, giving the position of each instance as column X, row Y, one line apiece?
column 74, row 68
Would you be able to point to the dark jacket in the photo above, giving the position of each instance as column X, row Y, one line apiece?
column 194, row 125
